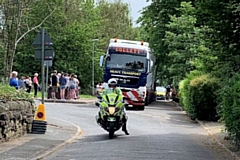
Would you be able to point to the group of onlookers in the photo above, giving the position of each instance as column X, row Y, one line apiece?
column 171, row 92
column 99, row 88
column 64, row 81
column 22, row 83
column 58, row 81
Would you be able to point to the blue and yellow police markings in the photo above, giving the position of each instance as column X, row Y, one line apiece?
column 125, row 72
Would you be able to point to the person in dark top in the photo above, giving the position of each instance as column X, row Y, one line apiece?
column 63, row 83
column 54, row 81
column 168, row 90
column 28, row 84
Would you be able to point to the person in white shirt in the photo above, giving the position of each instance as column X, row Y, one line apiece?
column 98, row 88
column 76, row 89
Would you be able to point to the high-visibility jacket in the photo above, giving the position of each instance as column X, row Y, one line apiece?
column 109, row 90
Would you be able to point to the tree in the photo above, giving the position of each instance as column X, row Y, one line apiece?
column 189, row 48
column 72, row 27
column 154, row 20
column 223, row 20
column 16, row 17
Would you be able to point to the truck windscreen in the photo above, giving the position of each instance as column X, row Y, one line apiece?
column 127, row 61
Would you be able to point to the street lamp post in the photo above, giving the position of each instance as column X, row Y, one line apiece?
column 93, row 40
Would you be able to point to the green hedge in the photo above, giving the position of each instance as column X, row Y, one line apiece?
column 203, row 98
column 184, row 89
column 230, row 106
column 198, row 96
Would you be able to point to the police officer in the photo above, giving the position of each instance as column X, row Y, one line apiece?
column 112, row 88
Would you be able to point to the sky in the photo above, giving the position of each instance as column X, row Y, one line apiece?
column 136, row 6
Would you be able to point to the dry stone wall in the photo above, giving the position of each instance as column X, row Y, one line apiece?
column 16, row 119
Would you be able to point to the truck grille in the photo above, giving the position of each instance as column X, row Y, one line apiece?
column 126, row 80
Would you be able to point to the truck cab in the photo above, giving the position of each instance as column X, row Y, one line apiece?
column 131, row 64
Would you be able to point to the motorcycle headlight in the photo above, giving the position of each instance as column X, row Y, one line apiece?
column 111, row 110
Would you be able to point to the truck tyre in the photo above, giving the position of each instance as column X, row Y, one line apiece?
column 146, row 101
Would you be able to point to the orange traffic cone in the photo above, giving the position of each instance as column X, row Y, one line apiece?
column 39, row 125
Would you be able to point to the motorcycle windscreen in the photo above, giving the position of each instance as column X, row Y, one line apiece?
column 112, row 98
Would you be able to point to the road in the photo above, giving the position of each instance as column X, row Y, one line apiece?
column 160, row 132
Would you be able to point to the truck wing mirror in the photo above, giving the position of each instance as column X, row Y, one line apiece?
column 101, row 61
column 151, row 63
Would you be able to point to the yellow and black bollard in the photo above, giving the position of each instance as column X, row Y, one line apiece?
column 39, row 125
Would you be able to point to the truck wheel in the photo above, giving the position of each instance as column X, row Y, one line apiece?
column 146, row 102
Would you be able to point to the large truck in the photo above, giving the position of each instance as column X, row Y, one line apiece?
column 132, row 64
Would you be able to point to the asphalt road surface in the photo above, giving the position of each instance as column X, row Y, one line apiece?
column 160, row 132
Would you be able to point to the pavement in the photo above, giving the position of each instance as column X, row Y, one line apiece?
column 217, row 131
column 39, row 146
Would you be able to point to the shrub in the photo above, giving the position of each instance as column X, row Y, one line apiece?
column 184, row 89
column 230, row 106
column 8, row 93
column 202, row 97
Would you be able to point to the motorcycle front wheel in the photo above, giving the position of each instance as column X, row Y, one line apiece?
column 111, row 130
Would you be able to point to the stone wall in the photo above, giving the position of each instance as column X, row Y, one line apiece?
column 15, row 119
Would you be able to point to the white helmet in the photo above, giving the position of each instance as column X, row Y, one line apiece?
column 112, row 82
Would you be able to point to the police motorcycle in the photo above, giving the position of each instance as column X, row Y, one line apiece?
column 111, row 115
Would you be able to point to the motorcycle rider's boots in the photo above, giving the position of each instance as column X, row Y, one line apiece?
column 124, row 128
column 99, row 120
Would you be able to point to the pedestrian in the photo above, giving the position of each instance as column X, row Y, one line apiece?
column 35, row 84
column 72, row 87
column 98, row 88
column 54, row 82
column 21, row 83
column 13, row 80
column 76, row 96
column 62, row 82
column 67, row 88
column 28, row 83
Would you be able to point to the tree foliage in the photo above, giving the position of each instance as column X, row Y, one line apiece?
column 71, row 24
column 193, row 39
column 18, row 19
column 154, row 20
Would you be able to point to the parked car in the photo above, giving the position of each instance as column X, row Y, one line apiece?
column 160, row 93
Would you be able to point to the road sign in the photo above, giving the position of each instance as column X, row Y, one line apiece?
column 48, row 54
column 43, row 51
column 48, row 46
column 38, row 39
column 48, row 63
